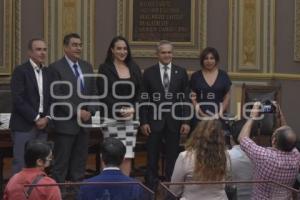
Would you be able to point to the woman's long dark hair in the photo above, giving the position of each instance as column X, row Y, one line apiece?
column 109, row 55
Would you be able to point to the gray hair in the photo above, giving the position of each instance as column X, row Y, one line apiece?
column 163, row 42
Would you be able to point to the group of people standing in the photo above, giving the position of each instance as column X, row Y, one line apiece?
column 60, row 93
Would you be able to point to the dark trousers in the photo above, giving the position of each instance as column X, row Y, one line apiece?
column 154, row 148
column 70, row 156
column 19, row 139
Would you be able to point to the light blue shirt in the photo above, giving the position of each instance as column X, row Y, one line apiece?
column 73, row 70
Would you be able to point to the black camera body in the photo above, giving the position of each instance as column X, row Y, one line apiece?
column 268, row 107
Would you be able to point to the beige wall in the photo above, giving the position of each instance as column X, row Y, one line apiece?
column 285, row 13
column 105, row 27
column 32, row 20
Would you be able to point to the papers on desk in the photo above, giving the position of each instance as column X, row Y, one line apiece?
column 4, row 118
column 99, row 122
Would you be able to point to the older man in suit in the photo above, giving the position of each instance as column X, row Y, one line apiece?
column 71, row 89
column 30, row 85
column 112, row 156
column 165, row 85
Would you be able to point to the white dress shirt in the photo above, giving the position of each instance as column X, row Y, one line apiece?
column 39, row 78
column 111, row 168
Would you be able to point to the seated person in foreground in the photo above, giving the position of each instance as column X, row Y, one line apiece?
column 37, row 157
column 205, row 159
column 112, row 155
column 279, row 163
column 242, row 167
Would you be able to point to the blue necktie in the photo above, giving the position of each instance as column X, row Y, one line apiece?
column 75, row 66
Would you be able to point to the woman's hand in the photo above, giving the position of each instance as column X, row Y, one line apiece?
column 127, row 113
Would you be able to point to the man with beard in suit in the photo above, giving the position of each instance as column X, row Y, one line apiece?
column 30, row 85
column 169, row 83
column 71, row 138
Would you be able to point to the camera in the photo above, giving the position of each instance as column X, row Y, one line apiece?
column 268, row 107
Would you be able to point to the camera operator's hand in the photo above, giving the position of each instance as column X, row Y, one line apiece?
column 255, row 111
column 279, row 115
column 278, row 109
column 254, row 115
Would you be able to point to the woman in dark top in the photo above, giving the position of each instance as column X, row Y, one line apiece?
column 123, row 85
column 210, row 86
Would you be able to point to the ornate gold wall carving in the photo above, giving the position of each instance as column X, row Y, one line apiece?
column 11, row 32
column 297, row 31
column 251, row 36
column 249, row 39
column 69, row 16
column 66, row 16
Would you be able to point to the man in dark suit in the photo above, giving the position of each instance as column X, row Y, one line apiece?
column 165, row 85
column 112, row 156
column 71, row 138
column 30, row 101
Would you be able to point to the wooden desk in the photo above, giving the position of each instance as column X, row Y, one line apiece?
column 5, row 151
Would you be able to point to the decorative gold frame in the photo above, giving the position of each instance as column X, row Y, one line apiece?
column 297, row 31
column 183, row 49
column 65, row 16
column 251, row 36
column 11, row 36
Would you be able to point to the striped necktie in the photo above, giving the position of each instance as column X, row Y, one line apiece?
column 166, row 79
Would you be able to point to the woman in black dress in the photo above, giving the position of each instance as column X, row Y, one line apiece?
column 210, row 86
column 120, row 99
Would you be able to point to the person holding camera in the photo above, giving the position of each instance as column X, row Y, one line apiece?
column 279, row 163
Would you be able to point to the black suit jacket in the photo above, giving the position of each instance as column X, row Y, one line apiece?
column 109, row 70
column 153, row 92
column 61, row 71
column 25, row 97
